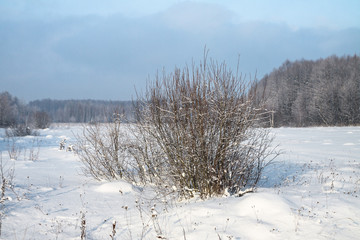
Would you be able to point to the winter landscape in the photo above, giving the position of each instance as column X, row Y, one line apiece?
column 311, row 191
column 179, row 120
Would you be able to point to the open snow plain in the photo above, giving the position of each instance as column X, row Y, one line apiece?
column 311, row 191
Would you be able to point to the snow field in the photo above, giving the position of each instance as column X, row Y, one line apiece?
column 311, row 191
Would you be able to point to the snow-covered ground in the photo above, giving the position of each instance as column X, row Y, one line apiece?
column 312, row 191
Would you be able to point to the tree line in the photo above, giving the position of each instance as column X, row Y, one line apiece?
column 82, row 111
column 40, row 113
column 299, row 93
column 309, row 93
column 13, row 111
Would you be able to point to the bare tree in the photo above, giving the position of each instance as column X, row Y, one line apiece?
column 8, row 109
column 41, row 120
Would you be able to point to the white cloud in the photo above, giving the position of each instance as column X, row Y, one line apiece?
column 197, row 17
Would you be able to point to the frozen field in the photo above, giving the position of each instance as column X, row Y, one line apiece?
column 312, row 191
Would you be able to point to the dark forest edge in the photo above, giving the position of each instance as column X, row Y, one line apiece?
column 325, row 92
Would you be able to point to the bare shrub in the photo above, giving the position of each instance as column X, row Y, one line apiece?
column 34, row 150
column 83, row 226
column 30, row 152
column 20, row 130
column 101, row 147
column 13, row 148
column 6, row 177
column 197, row 130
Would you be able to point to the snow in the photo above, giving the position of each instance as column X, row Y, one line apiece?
column 311, row 191
column 114, row 187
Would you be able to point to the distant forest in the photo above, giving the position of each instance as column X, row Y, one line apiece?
column 300, row 93
column 82, row 111
column 41, row 113
column 325, row 92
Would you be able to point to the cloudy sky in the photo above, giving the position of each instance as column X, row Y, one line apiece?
column 80, row 49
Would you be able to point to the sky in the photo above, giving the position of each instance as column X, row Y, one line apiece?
column 90, row 49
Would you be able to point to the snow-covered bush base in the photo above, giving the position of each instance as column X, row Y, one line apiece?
column 310, row 192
